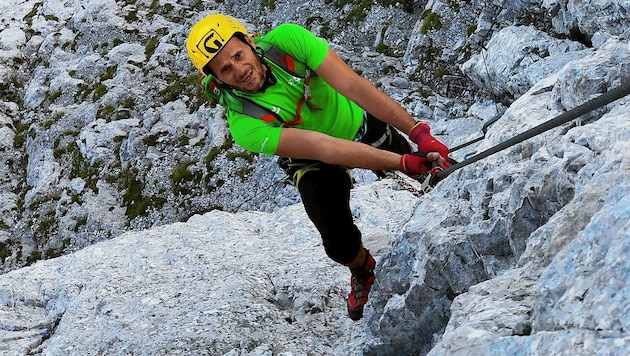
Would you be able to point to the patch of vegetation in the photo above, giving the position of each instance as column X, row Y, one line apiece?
column 128, row 102
column 150, row 47
column 53, row 96
column 387, row 69
column 181, row 173
column 188, row 86
column 135, row 203
column 10, row 90
column 184, row 141
column 430, row 21
column 56, row 252
column 183, row 180
column 20, row 136
column 105, row 112
column 109, row 73
column 360, row 8
column 80, row 168
column 99, row 91
column 382, row 48
column 269, row 4
column 212, row 154
column 45, row 228
column 243, row 172
column 151, row 140
column 33, row 257
column 28, row 18
column 80, row 222
column 5, row 249
column 132, row 16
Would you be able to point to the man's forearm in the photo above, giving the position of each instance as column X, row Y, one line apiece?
column 296, row 143
column 383, row 107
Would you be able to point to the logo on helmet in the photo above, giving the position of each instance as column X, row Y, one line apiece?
column 211, row 43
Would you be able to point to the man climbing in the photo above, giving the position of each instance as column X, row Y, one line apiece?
column 319, row 117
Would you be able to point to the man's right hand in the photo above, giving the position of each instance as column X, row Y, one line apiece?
column 418, row 162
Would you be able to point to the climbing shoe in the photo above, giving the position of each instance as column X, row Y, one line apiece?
column 361, row 282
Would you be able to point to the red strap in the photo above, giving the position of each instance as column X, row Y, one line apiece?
column 290, row 64
column 268, row 118
column 297, row 119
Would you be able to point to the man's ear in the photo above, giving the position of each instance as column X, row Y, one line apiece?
column 250, row 41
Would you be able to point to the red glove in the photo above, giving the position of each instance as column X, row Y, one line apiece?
column 421, row 135
column 415, row 163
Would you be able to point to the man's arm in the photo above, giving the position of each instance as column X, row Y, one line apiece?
column 297, row 143
column 358, row 89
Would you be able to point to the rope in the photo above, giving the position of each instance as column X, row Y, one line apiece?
column 593, row 104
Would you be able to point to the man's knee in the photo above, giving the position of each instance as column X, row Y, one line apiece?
column 343, row 245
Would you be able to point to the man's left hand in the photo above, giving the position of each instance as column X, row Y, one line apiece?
column 421, row 135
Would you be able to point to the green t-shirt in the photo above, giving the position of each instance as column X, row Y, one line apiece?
column 332, row 113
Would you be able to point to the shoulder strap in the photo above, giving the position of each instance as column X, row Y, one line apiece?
column 218, row 94
column 283, row 60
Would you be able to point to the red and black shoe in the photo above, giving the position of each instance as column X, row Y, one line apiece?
column 360, row 283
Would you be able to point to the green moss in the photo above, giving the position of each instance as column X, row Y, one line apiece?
column 133, row 200
column 184, row 141
column 150, row 47
column 45, row 228
column 244, row 154
column 128, row 102
column 19, row 140
column 387, row 69
column 244, row 172
column 80, row 168
column 109, row 73
column 181, row 173
column 430, row 21
column 132, row 16
column 99, row 91
column 33, row 257
column 269, row 4
column 20, row 135
column 5, row 249
column 151, row 140
column 80, row 222
column 382, row 48
column 53, row 96
column 28, row 18
column 212, row 154
column 106, row 112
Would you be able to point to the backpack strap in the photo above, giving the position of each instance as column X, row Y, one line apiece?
column 287, row 63
column 216, row 93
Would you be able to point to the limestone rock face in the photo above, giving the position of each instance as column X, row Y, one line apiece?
column 130, row 223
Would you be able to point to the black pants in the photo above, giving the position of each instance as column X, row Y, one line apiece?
column 325, row 192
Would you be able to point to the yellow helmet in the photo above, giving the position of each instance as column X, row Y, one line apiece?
column 208, row 36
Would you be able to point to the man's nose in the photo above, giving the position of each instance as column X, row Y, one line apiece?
column 240, row 69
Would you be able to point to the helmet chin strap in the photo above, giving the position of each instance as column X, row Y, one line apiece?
column 270, row 79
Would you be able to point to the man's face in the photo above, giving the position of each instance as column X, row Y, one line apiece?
column 238, row 66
